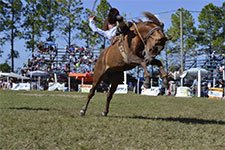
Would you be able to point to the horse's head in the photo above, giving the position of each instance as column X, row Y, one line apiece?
column 150, row 33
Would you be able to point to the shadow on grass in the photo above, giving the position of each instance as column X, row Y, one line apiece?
column 30, row 108
column 176, row 119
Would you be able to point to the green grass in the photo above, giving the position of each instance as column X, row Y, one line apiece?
column 50, row 120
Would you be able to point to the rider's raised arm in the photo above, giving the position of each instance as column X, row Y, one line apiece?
column 108, row 34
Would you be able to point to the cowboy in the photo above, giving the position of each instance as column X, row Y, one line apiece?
column 113, row 25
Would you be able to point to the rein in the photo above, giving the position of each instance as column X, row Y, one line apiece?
column 138, row 33
column 148, row 35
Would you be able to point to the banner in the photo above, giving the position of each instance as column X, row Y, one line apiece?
column 153, row 91
column 56, row 86
column 122, row 89
column 84, row 88
column 20, row 86
column 215, row 93
column 183, row 91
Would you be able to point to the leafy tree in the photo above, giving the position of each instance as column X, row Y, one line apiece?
column 32, row 23
column 70, row 18
column 189, row 33
column 49, row 12
column 1, row 51
column 5, row 67
column 2, row 20
column 211, row 24
column 223, row 27
column 10, row 14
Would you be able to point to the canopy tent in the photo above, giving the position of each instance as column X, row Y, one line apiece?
column 194, row 71
column 86, row 77
column 13, row 75
column 83, row 77
column 38, row 73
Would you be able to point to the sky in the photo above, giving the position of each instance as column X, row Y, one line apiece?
column 133, row 9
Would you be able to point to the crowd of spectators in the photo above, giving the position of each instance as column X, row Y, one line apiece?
column 81, row 59
column 71, row 59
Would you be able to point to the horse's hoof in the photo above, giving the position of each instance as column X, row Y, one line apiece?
column 104, row 114
column 82, row 112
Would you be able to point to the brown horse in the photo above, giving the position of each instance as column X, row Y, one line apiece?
column 141, row 44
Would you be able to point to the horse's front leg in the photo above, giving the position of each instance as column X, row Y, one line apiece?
column 146, row 75
column 163, row 73
column 137, row 60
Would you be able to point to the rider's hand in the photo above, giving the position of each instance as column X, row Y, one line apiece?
column 91, row 18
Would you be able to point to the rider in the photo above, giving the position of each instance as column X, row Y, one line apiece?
column 113, row 24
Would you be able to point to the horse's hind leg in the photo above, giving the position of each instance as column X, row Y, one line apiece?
column 90, row 95
column 96, row 80
column 115, row 79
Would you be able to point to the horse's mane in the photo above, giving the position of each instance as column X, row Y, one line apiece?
column 152, row 18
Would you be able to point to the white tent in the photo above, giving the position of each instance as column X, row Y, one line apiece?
column 194, row 71
column 16, row 86
column 13, row 75
column 38, row 73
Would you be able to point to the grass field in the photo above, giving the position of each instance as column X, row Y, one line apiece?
column 50, row 120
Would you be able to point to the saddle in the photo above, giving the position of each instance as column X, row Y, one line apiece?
column 123, row 28
column 119, row 40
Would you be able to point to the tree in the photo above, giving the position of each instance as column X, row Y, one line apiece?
column 10, row 14
column 32, row 23
column 1, row 51
column 211, row 24
column 2, row 20
column 5, row 67
column 49, row 12
column 223, row 27
column 189, row 34
column 70, row 18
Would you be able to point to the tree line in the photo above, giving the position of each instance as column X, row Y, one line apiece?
column 33, row 20
column 208, row 36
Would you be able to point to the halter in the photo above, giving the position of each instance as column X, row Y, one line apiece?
column 148, row 35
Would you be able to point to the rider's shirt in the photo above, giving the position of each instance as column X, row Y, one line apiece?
column 108, row 33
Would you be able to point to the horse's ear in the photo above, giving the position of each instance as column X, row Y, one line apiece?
column 139, row 20
column 152, row 17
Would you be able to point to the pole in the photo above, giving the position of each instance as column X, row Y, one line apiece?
column 199, row 83
column 68, row 84
column 12, row 36
column 181, row 42
column 224, row 81
column 125, row 77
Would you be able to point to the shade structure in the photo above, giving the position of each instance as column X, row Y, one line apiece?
column 13, row 75
column 86, row 77
column 38, row 73
column 194, row 72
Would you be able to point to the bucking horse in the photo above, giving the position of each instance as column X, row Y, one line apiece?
column 139, row 46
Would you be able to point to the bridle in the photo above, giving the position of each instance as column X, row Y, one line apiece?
column 144, row 39
column 148, row 35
